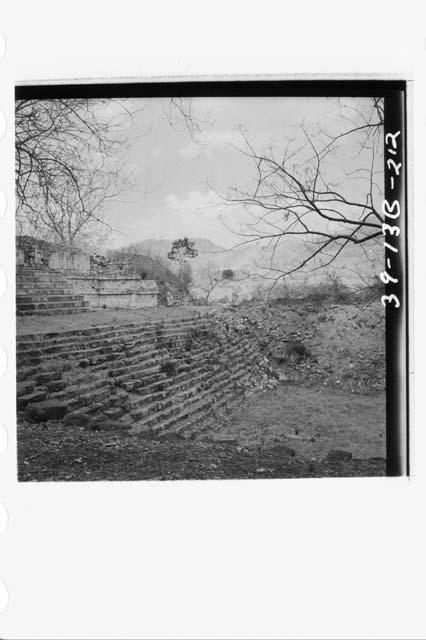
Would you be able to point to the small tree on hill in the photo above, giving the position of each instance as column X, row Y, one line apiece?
column 182, row 250
column 210, row 279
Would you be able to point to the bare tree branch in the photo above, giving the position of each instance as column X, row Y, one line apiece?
column 69, row 163
column 297, row 199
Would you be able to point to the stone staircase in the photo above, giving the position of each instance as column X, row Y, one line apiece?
column 156, row 378
column 46, row 292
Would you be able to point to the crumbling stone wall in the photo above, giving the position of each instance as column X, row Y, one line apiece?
column 156, row 378
column 49, row 273
column 171, row 291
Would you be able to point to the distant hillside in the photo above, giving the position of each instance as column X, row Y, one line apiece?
column 161, row 247
column 254, row 258
column 209, row 253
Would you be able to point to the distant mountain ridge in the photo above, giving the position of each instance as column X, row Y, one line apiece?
column 161, row 246
column 254, row 258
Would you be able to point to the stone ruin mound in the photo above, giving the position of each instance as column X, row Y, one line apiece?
column 51, row 280
column 155, row 378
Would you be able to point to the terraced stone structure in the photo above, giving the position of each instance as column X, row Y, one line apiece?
column 46, row 292
column 51, row 280
column 165, row 377
column 159, row 374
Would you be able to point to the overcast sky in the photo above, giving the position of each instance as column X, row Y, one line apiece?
column 176, row 179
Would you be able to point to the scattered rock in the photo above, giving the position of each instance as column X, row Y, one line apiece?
column 35, row 396
column 129, row 385
column 55, row 365
column 110, row 425
column 187, row 435
column 78, row 419
column 96, row 406
column 282, row 448
column 56, row 385
column 338, row 455
column 24, row 388
column 46, row 376
column 223, row 439
column 112, row 413
column 45, row 410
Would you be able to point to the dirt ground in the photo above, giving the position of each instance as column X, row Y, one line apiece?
column 49, row 454
column 283, row 433
column 309, row 420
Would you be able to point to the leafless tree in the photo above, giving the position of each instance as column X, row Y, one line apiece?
column 70, row 161
column 209, row 278
column 181, row 116
column 296, row 192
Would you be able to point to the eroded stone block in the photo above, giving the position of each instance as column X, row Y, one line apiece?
column 35, row 396
column 45, row 410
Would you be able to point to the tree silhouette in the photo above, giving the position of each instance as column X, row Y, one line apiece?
column 295, row 192
column 182, row 250
column 68, row 164
column 70, row 160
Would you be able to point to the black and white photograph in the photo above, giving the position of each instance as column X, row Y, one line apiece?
column 202, row 281
column 211, row 311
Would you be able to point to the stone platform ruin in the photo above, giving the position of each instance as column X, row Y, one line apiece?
column 162, row 372
column 51, row 280
column 154, row 377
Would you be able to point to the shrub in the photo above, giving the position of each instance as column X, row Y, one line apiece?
column 371, row 292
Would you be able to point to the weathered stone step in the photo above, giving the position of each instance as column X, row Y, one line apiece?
column 64, row 302
column 138, row 371
column 55, row 312
column 135, row 349
column 98, row 396
column 78, row 388
column 169, row 386
column 46, row 285
column 117, row 367
column 185, row 387
column 196, row 416
column 37, row 274
column 197, row 424
column 199, row 407
column 27, row 279
column 155, row 422
column 67, row 340
column 165, row 376
column 88, row 385
column 56, row 297
column 122, row 368
column 101, row 332
column 45, row 291
column 28, row 285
